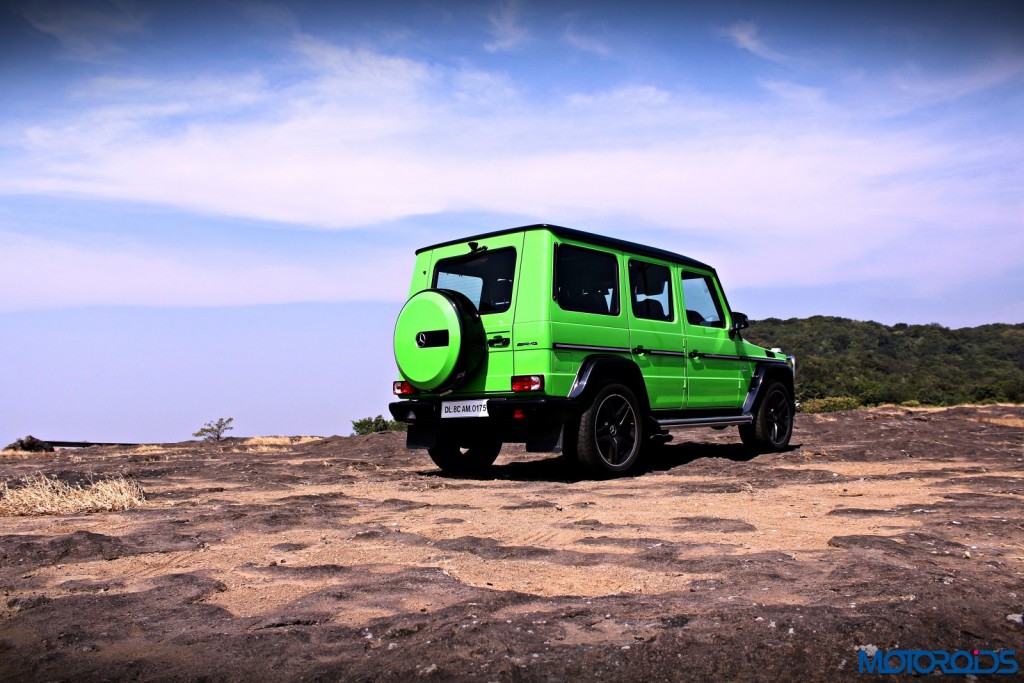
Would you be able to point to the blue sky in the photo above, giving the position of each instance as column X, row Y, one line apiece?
column 210, row 209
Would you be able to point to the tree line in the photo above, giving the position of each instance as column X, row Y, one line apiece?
column 873, row 363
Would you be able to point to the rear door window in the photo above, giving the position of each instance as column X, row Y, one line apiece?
column 485, row 277
column 650, row 291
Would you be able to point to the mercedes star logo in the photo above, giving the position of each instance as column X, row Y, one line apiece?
column 421, row 339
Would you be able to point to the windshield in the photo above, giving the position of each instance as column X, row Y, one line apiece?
column 485, row 277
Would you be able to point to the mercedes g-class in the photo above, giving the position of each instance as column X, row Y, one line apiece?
column 576, row 343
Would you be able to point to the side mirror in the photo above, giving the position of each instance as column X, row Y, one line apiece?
column 739, row 321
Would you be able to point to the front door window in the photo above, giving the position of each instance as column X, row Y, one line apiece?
column 702, row 305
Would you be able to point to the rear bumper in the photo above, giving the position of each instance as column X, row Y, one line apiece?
column 535, row 421
column 503, row 408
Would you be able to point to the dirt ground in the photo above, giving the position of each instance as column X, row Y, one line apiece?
column 350, row 558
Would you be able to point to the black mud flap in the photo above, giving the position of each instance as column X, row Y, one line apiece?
column 420, row 437
column 545, row 439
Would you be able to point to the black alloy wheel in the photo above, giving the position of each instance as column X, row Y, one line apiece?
column 611, row 431
column 773, row 422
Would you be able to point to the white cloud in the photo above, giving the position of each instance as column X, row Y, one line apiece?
column 744, row 35
column 585, row 43
column 633, row 97
column 483, row 89
column 362, row 138
column 794, row 92
column 86, row 30
column 916, row 83
column 506, row 30
column 130, row 274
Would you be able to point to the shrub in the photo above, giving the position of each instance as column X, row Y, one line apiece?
column 372, row 425
column 830, row 404
column 29, row 444
column 214, row 431
column 913, row 403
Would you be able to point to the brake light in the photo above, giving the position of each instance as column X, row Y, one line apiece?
column 403, row 388
column 527, row 383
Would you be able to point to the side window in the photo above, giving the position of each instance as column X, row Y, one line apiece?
column 586, row 281
column 701, row 301
column 650, row 291
column 485, row 277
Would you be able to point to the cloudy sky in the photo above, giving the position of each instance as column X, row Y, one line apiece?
column 210, row 209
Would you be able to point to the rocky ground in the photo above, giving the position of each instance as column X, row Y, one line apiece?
column 354, row 559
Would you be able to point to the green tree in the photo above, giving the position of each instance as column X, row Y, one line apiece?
column 214, row 431
column 371, row 425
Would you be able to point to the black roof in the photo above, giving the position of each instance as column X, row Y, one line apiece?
column 579, row 235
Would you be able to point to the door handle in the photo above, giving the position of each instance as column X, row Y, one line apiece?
column 499, row 342
column 639, row 350
column 696, row 354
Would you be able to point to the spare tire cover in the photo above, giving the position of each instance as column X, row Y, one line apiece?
column 439, row 339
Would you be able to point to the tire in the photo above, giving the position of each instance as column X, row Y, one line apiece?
column 773, row 422
column 611, row 431
column 453, row 459
column 439, row 340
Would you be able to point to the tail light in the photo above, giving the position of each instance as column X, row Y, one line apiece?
column 403, row 388
column 527, row 383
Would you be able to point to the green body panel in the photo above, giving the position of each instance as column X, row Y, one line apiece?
column 664, row 375
column 495, row 373
column 714, row 383
column 542, row 335
column 420, row 274
column 535, row 279
column 574, row 328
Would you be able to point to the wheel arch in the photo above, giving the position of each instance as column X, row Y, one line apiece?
column 597, row 370
column 764, row 374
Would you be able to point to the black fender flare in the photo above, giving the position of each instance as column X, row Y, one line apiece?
column 597, row 369
column 764, row 372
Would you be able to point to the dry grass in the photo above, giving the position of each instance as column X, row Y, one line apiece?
column 43, row 495
column 279, row 440
column 1004, row 421
column 934, row 409
column 268, row 444
column 25, row 455
column 146, row 448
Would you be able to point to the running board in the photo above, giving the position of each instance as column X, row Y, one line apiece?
column 707, row 421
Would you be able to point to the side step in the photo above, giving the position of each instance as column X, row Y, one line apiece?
column 707, row 421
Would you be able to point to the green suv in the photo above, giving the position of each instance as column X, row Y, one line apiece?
column 576, row 343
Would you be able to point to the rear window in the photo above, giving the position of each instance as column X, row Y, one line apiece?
column 586, row 280
column 485, row 277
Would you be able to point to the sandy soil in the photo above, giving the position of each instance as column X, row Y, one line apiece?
column 354, row 559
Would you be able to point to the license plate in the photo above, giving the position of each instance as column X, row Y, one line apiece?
column 477, row 408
